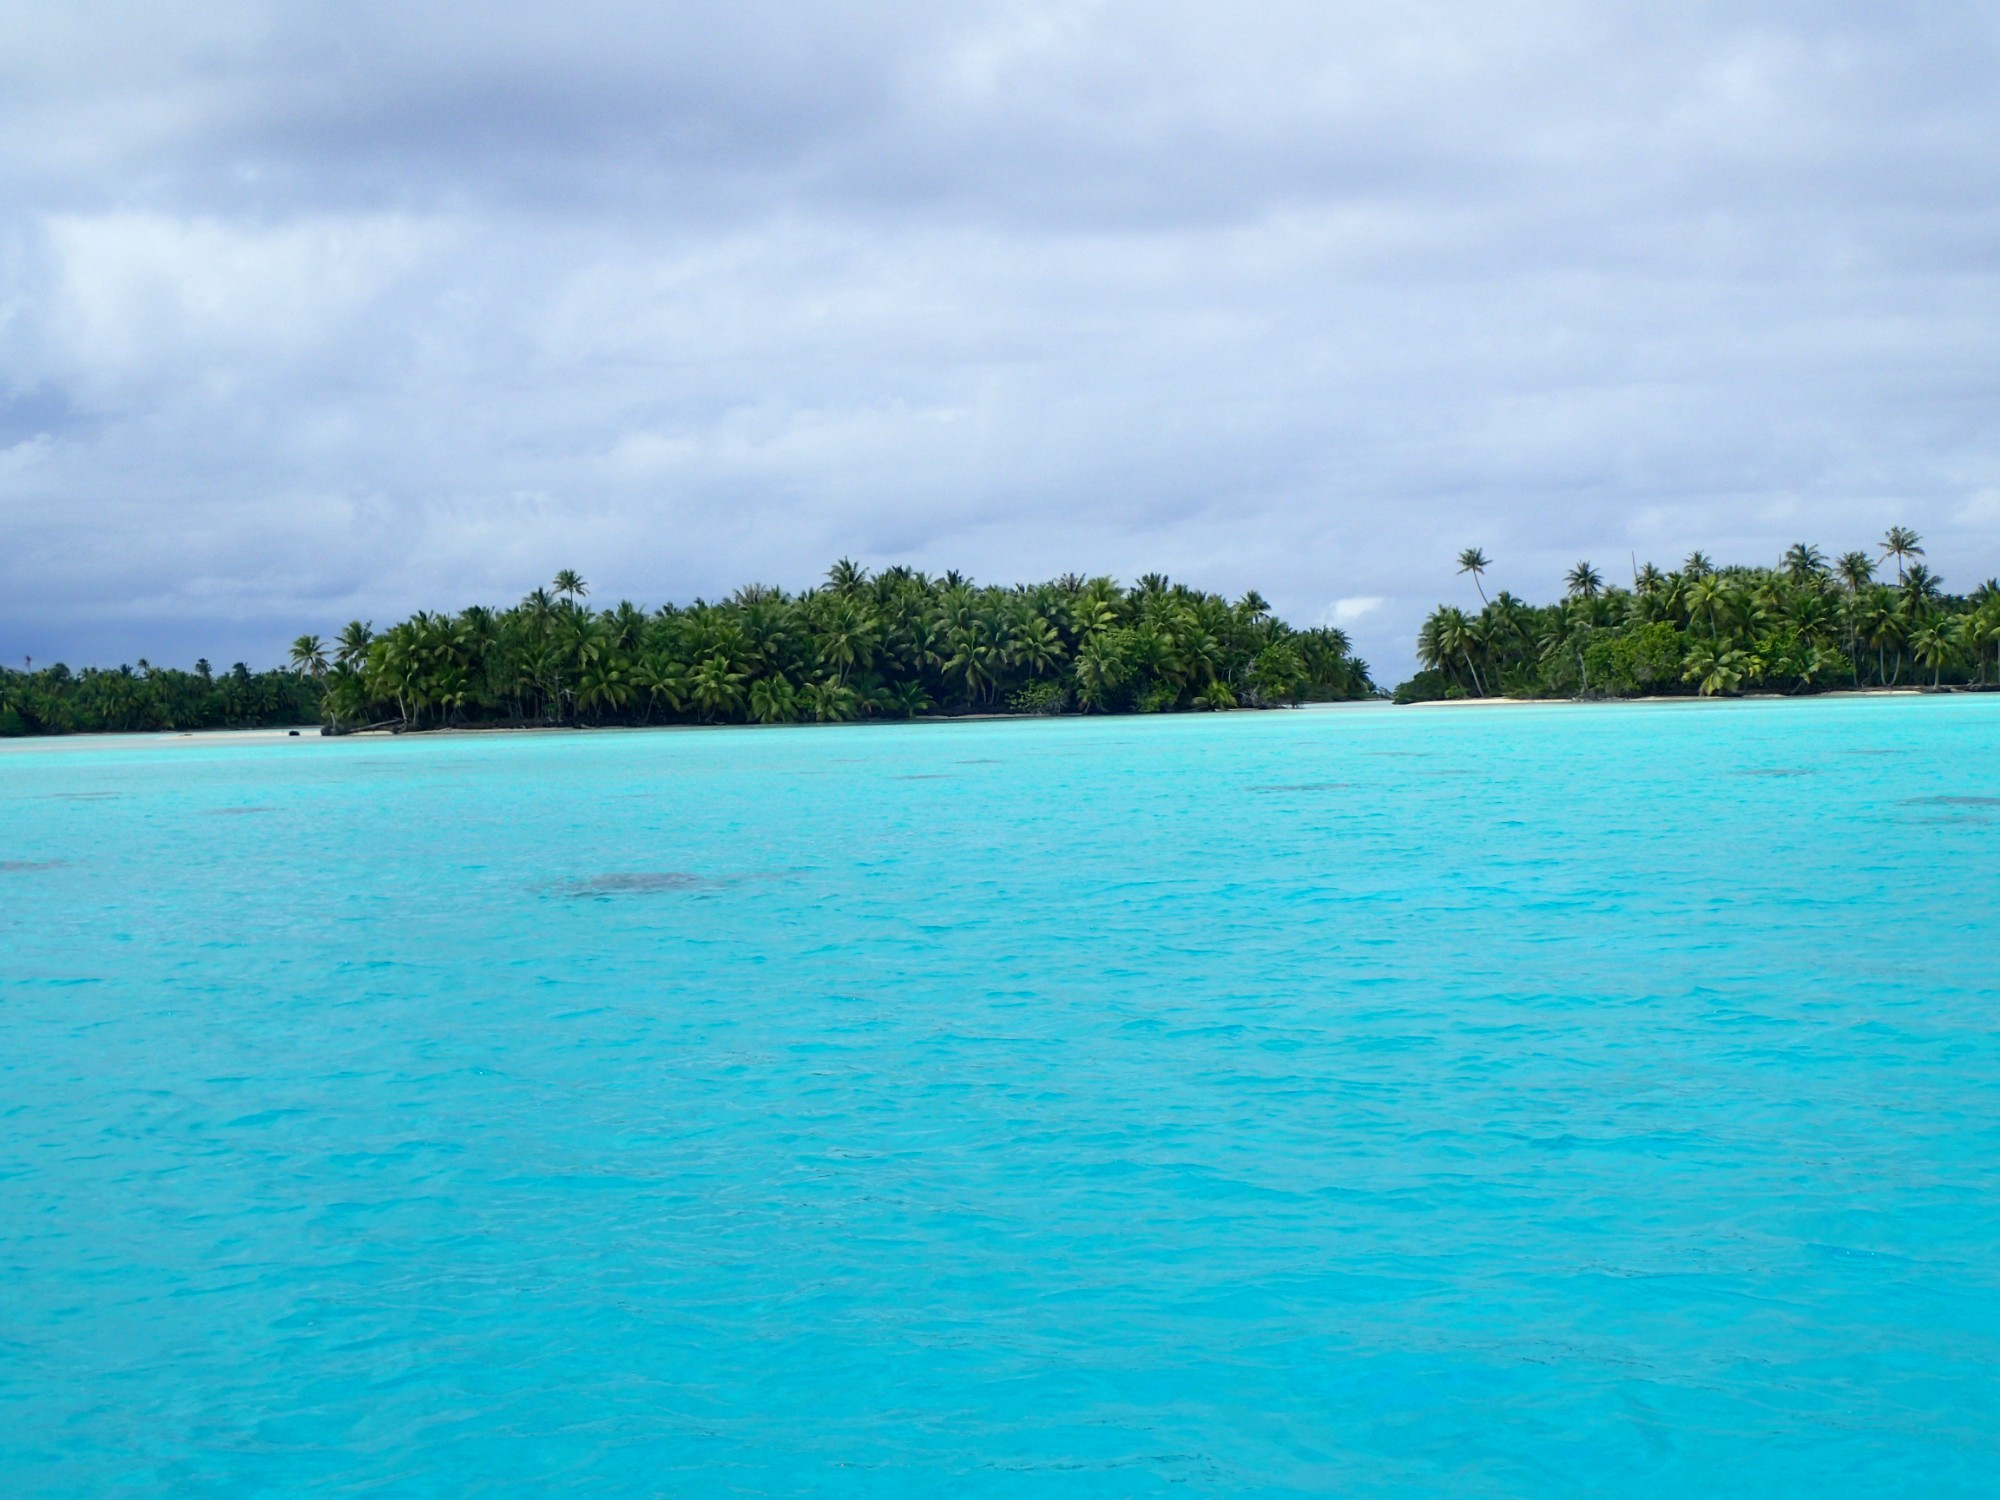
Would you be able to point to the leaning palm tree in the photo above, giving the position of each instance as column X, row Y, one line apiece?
column 1475, row 562
column 1901, row 543
column 1452, row 634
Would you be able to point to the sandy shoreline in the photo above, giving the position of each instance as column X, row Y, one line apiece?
column 1845, row 693
column 309, row 733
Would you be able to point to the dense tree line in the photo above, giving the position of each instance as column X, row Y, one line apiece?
column 55, row 700
column 1806, row 625
column 894, row 644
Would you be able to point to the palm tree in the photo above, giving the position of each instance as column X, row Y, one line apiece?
column 352, row 648
column 1883, row 624
column 773, row 701
column 1697, row 565
column 656, row 678
column 1584, row 581
column 1855, row 569
column 1450, row 636
column 1803, row 562
column 1475, row 562
column 1921, row 588
column 1901, row 543
column 830, row 702
column 1100, row 669
column 1716, row 671
column 976, row 657
column 1708, row 598
column 846, row 576
column 848, row 636
column 714, row 688
column 908, row 699
column 1935, row 643
column 570, row 585
column 1037, row 646
column 606, row 683
column 1982, row 629
column 309, row 657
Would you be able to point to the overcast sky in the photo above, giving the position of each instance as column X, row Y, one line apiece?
column 312, row 311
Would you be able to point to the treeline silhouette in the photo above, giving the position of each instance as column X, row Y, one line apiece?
column 1805, row 625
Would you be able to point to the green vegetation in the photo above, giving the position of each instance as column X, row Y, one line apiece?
column 893, row 645
column 1803, row 626
column 58, row 701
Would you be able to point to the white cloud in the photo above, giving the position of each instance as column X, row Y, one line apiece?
column 152, row 293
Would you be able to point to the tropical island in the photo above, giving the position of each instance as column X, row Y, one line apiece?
column 902, row 644
column 1806, row 625
column 893, row 644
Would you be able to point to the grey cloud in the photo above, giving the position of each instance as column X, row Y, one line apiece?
column 37, row 413
column 354, row 309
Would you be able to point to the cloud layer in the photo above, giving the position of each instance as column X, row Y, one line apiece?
column 316, row 311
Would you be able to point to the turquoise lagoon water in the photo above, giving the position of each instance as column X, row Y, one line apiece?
column 1381, row 1102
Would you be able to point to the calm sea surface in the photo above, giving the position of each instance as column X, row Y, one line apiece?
column 1555, row 1101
